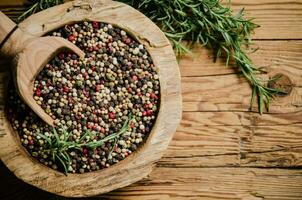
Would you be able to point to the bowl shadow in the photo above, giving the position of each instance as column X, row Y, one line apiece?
column 12, row 188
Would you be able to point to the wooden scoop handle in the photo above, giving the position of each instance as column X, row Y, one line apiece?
column 12, row 38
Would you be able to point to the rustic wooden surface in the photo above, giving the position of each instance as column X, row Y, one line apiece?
column 222, row 151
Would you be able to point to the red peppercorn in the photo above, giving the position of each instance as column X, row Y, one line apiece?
column 149, row 112
column 38, row 92
column 30, row 142
column 85, row 151
column 95, row 24
column 129, row 89
column 153, row 96
column 65, row 88
column 146, row 106
column 71, row 38
column 95, row 48
column 126, row 154
column 61, row 56
column 134, row 78
column 102, row 130
column 97, row 88
column 144, row 113
column 94, row 127
column 111, row 115
column 127, row 40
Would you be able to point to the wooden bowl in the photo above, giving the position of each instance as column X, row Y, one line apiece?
column 139, row 164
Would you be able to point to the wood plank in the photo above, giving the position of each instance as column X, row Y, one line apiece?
column 278, row 19
column 10, row 3
column 13, row 12
column 215, row 183
column 185, row 183
column 199, row 145
column 284, row 56
column 218, row 88
column 231, row 93
column 240, row 119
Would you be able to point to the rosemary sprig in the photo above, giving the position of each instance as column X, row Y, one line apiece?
column 209, row 23
column 59, row 146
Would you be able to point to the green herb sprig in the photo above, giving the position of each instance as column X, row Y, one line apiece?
column 59, row 146
column 211, row 24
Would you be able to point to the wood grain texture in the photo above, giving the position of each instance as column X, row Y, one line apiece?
column 186, row 183
column 279, row 19
column 10, row 3
column 271, row 55
column 220, row 150
column 231, row 93
column 139, row 164
column 198, row 145
column 215, row 183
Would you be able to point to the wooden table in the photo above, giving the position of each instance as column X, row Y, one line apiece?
column 221, row 150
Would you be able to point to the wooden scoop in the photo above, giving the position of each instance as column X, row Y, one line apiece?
column 30, row 54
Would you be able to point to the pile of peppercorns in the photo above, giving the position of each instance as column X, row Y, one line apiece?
column 97, row 93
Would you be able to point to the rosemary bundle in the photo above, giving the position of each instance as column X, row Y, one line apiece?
column 207, row 23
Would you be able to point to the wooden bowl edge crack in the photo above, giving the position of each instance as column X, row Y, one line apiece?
column 139, row 164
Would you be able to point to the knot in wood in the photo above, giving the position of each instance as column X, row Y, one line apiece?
column 82, row 5
column 281, row 82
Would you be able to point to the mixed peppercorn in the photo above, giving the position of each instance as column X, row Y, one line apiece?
column 117, row 78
